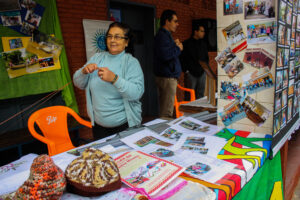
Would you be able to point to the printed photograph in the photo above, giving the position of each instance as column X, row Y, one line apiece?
column 27, row 29
column 12, row 18
column 279, row 79
column 235, row 36
column 15, row 43
column 277, row 124
column 259, row 9
column 162, row 153
column 151, row 140
column 278, row 101
column 195, row 144
column 234, row 67
column 231, row 90
column 286, row 57
column 285, row 78
column 291, row 87
column 263, row 32
column 225, row 57
column 298, row 38
column 293, row 34
column 198, row 168
column 46, row 62
column 232, row 7
column 297, row 58
column 295, row 106
column 298, row 20
column 290, row 109
column 194, row 126
column 288, row 37
column 283, row 118
column 282, row 10
column 292, row 69
column 256, row 112
column 284, row 98
column 232, row 112
column 33, row 18
column 28, row 4
column 281, row 34
column 289, row 11
column 292, row 49
column 259, row 81
column 280, row 57
column 9, row 5
column 172, row 134
column 19, row 59
column 45, row 45
column 259, row 58
column 294, row 24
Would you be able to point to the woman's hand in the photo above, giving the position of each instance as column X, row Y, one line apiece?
column 90, row 68
column 105, row 74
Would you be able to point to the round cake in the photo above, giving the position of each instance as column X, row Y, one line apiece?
column 92, row 174
column 46, row 181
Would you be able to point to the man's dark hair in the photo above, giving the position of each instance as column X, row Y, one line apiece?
column 166, row 15
column 196, row 25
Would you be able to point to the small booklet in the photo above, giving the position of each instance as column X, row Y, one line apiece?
column 141, row 170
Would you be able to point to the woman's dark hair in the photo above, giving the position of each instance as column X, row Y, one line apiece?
column 166, row 15
column 128, row 34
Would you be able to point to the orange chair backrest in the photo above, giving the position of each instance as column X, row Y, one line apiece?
column 178, row 103
column 52, row 121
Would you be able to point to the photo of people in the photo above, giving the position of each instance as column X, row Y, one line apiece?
column 172, row 134
column 234, row 67
column 198, row 168
column 290, row 109
column 256, row 112
column 284, row 98
column 151, row 140
column 277, row 102
column 280, row 57
column 298, row 21
column 232, row 7
column 295, row 106
column 259, row 82
column 264, row 32
column 281, row 34
column 259, row 58
column 12, row 18
column 33, row 18
column 297, row 73
column 231, row 90
column 28, row 4
column 298, row 38
column 294, row 24
column 277, row 124
column 162, row 153
column 46, row 62
column 289, row 11
column 232, row 112
column 195, row 144
column 15, row 43
column 285, row 81
column 225, row 57
column 259, row 9
column 297, row 58
column 19, row 59
column 282, row 10
column 235, row 36
column 278, row 80
column 291, row 87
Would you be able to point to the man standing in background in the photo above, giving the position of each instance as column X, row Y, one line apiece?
column 195, row 51
column 167, row 68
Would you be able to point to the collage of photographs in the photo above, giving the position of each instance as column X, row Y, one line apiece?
column 286, row 105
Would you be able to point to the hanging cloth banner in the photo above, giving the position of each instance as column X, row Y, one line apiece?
column 94, row 34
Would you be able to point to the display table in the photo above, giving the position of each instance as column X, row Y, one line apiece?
column 253, row 176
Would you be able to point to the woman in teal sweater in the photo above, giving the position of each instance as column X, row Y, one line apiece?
column 114, row 83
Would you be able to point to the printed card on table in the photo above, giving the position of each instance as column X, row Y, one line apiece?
column 141, row 170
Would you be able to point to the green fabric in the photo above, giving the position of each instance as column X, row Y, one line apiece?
column 45, row 81
column 261, row 185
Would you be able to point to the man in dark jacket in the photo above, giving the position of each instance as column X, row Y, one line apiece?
column 195, row 50
column 167, row 68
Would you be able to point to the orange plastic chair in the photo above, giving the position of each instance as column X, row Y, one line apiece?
column 52, row 121
column 178, row 103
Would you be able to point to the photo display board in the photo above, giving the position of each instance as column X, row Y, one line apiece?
column 258, row 66
column 286, row 102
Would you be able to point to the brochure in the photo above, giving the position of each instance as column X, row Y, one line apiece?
column 141, row 170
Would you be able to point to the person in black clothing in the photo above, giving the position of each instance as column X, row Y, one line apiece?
column 167, row 67
column 195, row 50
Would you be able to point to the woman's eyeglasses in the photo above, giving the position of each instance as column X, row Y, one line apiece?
column 116, row 37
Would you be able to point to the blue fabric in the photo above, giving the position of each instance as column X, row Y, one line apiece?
column 104, row 100
column 166, row 55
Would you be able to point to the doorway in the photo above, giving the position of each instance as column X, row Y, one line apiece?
column 140, row 17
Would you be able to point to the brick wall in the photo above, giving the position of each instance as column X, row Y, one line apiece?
column 71, row 13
